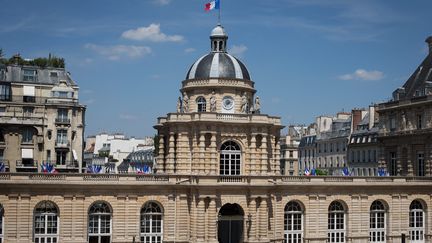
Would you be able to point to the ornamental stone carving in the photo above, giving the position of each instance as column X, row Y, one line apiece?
column 244, row 104
column 185, row 105
column 213, row 102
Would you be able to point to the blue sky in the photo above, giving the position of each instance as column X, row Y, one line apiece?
column 307, row 57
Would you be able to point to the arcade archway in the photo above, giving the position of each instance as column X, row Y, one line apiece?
column 230, row 223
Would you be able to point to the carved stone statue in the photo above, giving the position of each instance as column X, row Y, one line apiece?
column 257, row 105
column 185, row 105
column 410, row 125
column 429, row 123
column 213, row 102
column 179, row 104
column 403, row 122
column 244, row 104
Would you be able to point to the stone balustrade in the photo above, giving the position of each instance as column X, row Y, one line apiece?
column 202, row 180
column 212, row 116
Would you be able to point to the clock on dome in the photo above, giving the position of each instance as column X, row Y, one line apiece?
column 228, row 104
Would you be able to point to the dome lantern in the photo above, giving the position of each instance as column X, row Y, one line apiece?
column 218, row 38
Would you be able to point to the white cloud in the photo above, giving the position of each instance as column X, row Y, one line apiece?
column 118, row 51
column 150, row 33
column 162, row 2
column 238, row 50
column 361, row 74
column 189, row 50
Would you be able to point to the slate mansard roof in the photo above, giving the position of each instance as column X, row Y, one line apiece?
column 15, row 73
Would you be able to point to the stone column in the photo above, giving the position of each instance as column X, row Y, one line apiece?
column 253, row 212
column 170, row 219
column 411, row 164
column 200, row 220
column 194, row 153
column 161, row 156
column 253, row 160
column 193, row 220
column 171, row 159
column 212, row 221
column 202, row 163
column 264, row 155
column 263, row 220
column 213, row 159
column 183, row 225
column 277, row 156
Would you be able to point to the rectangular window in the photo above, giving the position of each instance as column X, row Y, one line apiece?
column 61, row 156
column 393, row 164
column 419, row 121
column 28, row 111
column 62, row 115
column 291, row 154
column 62, row 136
column 5, row 92
column 27, row 136
column 29, row 75
column 420, row 164
column 392, row 123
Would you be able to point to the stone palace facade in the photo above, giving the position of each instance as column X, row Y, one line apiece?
column 217, row 180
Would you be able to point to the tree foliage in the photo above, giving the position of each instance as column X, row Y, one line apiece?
column 42, row 62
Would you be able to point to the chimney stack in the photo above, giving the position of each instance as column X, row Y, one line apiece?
column 371, row 116
column 429, row 41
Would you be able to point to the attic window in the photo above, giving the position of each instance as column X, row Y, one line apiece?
column 29, row 75
column 53, row 74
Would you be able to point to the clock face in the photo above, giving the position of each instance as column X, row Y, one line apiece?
column 228, row 102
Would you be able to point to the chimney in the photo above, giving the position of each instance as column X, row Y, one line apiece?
column 356, row 119
column 371, row 116
column 429, row 41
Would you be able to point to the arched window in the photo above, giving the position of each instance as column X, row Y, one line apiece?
column 151, row 223
column 293, row 223
column 230, row 158
column 99, row 225
column 416, row 222
column 336, row 222
column 46, row 223
column 201, row 102
column 377, row 222
column 1, row 223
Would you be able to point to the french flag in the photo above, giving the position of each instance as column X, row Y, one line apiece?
column 212, row 5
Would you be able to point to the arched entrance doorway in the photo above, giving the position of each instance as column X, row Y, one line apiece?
column 230, row 223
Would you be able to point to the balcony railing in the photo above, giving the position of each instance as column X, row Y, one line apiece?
column 63, row 164
column 35, row 99
column 62, row 143
column 27, row 163
column 62, row 120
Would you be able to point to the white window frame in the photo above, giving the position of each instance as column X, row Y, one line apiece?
column 416, row 231
column 230, row 157
column 151, row 237
column 201, row 104
column 98, row 216
column 393, row 164
column 377, row 234
column 292, row 235
column 334, row 234
column 45, row 236
column 420, row 166
column 2, row 228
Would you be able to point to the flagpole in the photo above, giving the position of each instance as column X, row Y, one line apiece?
column 219, row 16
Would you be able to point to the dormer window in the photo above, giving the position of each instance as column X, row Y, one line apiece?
column 29, row 75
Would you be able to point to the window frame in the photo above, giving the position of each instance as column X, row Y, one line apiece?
column 47, row 217
column 230, row 159
column 201, row 104
column 27, row 76
column 420, row 164
column 416, row 232
column 377, row 217
column 27, row 135
column 98, row 216
column 336, row 213
column 5, row 91
column 292, row 234
column 149, row 218
column 2, row 225
column 393, row 168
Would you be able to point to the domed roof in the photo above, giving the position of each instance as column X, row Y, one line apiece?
column 218, row 65
column 218, row 31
